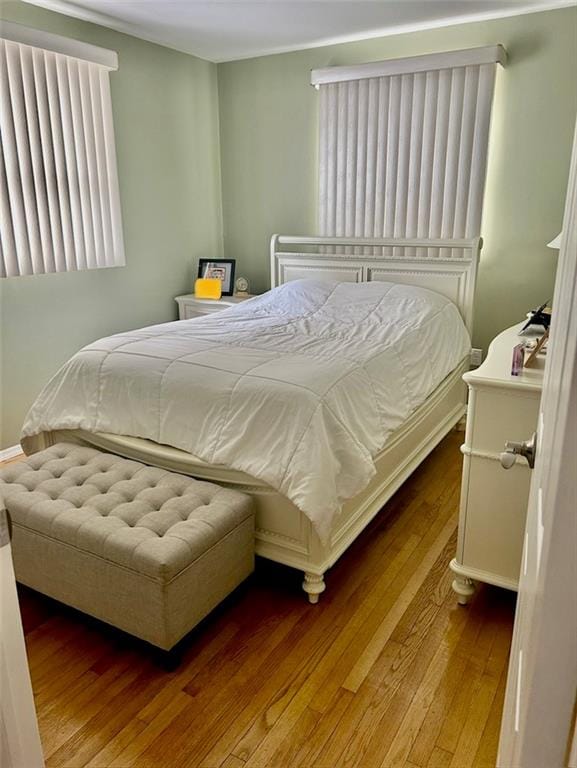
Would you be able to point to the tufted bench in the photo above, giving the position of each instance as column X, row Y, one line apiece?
column 149, row 551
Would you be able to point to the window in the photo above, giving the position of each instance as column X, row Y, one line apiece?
column 403, row 145
column 59, row 198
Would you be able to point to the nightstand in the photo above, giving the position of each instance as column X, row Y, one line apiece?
column 190, row 306
column 494, row 500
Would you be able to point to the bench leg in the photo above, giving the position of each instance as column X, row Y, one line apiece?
column 313, row 585
column 169, row 661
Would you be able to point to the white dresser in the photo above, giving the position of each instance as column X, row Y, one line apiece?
column 190, row 306
column 493, row 508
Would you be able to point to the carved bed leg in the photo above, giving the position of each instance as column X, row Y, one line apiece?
column 465, row 589
column 313, row 585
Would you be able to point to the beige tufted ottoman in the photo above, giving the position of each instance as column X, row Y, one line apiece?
column 146, row 550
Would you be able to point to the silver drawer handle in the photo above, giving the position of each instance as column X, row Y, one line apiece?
column 512, row 450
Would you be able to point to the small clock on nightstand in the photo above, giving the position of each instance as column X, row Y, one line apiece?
column 190, row 306
column 241, row 287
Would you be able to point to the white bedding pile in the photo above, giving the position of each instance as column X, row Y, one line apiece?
column 300, row 387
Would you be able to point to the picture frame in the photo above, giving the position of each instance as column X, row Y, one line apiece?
column 221, row 268
column 536, row 349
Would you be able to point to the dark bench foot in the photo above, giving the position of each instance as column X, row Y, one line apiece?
column 170, row 660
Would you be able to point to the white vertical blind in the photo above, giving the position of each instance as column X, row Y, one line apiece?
column 60, row 204
column 404, row 155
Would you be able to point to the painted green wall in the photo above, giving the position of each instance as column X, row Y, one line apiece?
column 167, row 110
column 268, row 125
column 166, row 125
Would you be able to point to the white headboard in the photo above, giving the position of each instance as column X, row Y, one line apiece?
column 446, row 266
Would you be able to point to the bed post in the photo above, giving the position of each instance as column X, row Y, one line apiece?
column 314, row 585
column 273, row 265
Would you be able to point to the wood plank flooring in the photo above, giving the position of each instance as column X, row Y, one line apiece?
column 387, row 671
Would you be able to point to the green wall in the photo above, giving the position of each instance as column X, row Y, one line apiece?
column 268, row 126
column 167, row 110
column 166, row 125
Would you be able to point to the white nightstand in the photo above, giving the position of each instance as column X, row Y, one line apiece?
column 501, row 407
column 190, row 306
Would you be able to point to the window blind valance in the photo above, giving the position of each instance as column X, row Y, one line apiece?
column 37, row 38
column 429, row 62
column 402, row 153
column 59, row 196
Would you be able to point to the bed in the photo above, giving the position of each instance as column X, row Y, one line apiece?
column 253, row 362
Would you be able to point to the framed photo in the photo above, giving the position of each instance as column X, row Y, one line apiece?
column 223, row 269
column 536, row 349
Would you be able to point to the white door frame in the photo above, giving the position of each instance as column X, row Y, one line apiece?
column 20, row 745
column 538, row 719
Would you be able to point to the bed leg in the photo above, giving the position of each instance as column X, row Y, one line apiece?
column 464, row 588
column 313, row 585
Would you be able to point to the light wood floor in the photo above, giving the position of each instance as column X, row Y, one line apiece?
column 386, row 671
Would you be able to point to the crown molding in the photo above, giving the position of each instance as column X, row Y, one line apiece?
column 71, row 9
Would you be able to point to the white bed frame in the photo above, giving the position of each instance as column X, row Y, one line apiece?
column 283, row 533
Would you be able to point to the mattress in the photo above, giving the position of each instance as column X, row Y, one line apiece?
column 300, row 387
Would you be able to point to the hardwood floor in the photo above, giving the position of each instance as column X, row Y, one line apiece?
column 387, row 670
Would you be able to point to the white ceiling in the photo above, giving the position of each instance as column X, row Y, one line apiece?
column 224, row 30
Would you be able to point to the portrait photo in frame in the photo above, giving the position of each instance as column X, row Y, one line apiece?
column 223, row 269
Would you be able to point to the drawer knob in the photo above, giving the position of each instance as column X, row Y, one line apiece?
column 513, row 449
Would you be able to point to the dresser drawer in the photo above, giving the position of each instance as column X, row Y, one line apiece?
column 190, row 306
column 493, row 517
column 500, row 415
column 188, row 312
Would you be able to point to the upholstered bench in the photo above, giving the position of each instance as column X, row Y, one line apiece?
column 148, row 551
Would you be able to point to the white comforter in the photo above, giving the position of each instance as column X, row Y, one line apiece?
column 300, row 387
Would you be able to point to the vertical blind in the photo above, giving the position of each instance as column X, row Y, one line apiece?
column 59, row 197
column 404, row 154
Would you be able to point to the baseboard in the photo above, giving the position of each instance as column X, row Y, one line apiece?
column 10, row 453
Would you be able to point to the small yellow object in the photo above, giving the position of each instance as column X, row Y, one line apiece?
column 208, row 288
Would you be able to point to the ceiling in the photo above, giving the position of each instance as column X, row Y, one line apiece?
column 225, row 30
